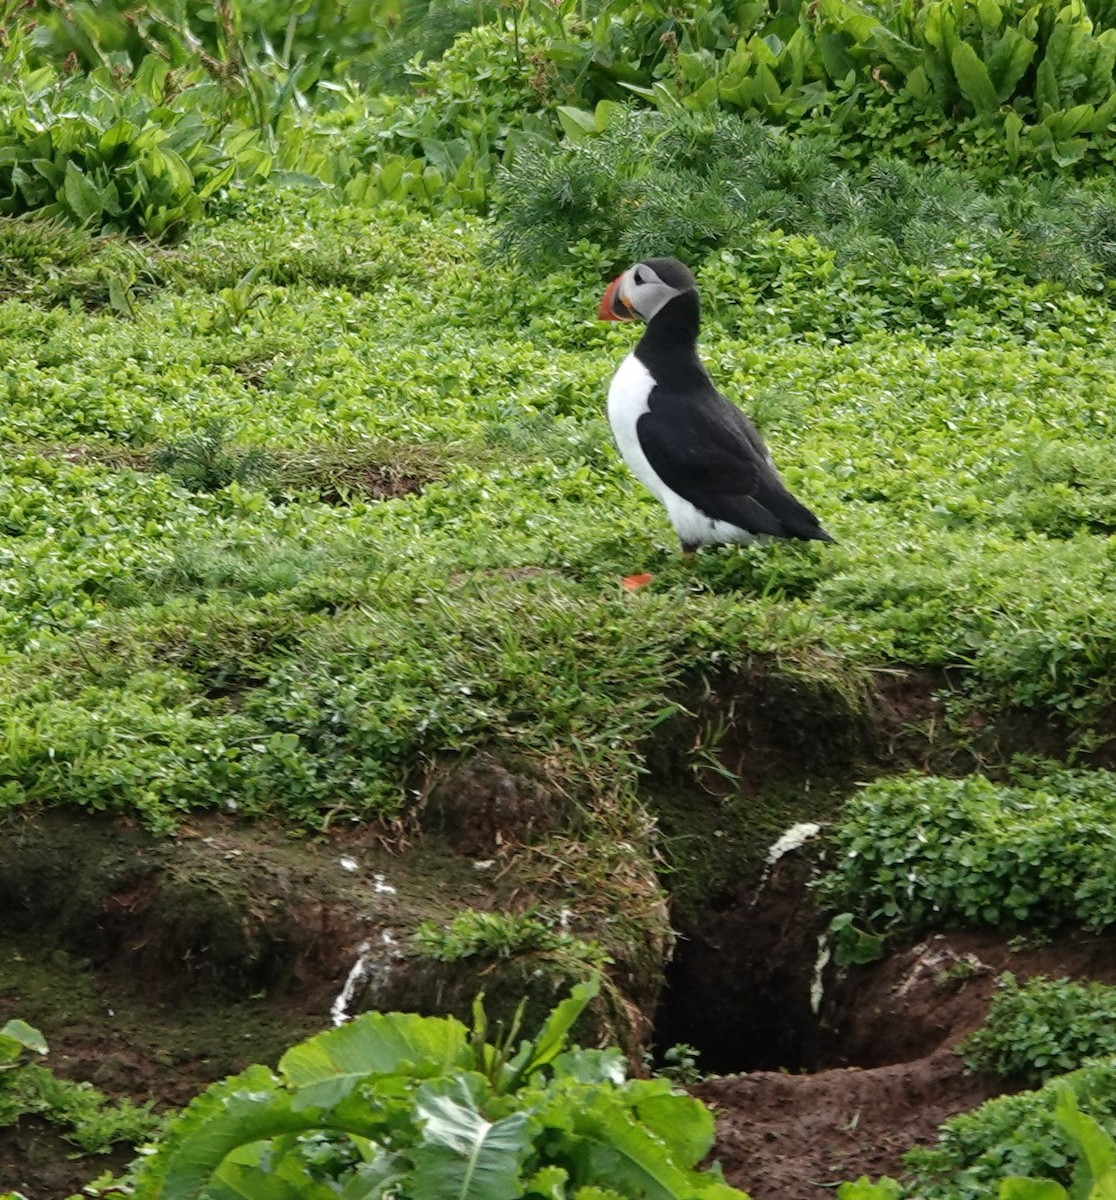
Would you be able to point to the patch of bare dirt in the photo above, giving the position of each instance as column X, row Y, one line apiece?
column 788, row 1136
column 793, row 1137
column 929, row 995
column 337, row 474
column 36, row 1161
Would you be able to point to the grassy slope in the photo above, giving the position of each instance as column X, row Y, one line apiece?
column 260, row 648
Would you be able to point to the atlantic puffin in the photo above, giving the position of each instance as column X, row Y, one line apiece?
column 695, row 451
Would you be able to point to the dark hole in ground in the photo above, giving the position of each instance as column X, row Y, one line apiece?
column 739, row 987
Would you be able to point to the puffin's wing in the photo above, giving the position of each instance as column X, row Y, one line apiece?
column 710, row 454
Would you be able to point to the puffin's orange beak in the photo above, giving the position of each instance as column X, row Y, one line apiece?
column 612, row 306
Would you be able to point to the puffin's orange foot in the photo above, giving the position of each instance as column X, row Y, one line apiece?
column 632, row 583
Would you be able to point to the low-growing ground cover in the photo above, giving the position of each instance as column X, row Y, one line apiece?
column 262, row 646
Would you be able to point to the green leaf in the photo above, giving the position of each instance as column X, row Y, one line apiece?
column 1047, row 96
column 464, row 1156
column 1093, row 1141
column 219, row 179
column 374, row 1179
column 1008, row 62
column 1016, row 1187
column 235, row 1112
column 1104, row 1187
column 82, row 196
column 17, row 1035
column 549, row 1183
column 120, row 296
column 236, row 1181
column 684, row 1123
column 327, row 1067
column 973, row 79
column 616, row 1151
column 577, row 123
column 551, row 1039
column 885, row 1188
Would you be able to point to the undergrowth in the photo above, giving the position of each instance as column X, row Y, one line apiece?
column 293, row 642
column 908, row 853
column 84, row 1116
column 1011, row 1135
column 1043, row 1028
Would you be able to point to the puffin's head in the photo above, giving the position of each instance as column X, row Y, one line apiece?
column 643, row 289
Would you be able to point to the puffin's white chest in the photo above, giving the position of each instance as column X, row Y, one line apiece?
column 627, row 401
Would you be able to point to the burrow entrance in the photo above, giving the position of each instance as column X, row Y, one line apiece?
column 746, row 986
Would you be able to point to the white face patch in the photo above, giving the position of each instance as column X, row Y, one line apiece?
column 647, row 296
column 627, row 402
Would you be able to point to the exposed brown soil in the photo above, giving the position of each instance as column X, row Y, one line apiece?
column 785, row 1136
column 794, row 1137
column 339, row 475
column 155, row 967
column 38, row 1163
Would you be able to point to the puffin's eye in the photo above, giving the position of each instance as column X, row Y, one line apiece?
column 637, row 278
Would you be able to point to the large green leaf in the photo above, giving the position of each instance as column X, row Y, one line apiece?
column 551, row 1039
column 973, row 79
column 1008, row 62
column 685, row 1124
column 885, row 1188
column 1047, row 95
column 327, row 1067
column 616, row 1151
column 1094, row 1142
column 82, row 197
column 235, row 1112
column 240, row 1181
column 1016, row 1187
column 1104, row 1188
column 17, row 1036
column 463, row 1155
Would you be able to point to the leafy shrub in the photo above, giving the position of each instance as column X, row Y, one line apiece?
column 84, row 1114
column 415, row 1103
column 1094, row 1152
column 142, row 160
column 916, row 850
column 1043, row 1028
column 1017, row 1135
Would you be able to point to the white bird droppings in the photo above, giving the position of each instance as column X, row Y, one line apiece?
column 795, row 836
column 820, row 963
column 339, row 1009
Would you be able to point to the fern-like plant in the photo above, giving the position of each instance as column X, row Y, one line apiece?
column 207, row 460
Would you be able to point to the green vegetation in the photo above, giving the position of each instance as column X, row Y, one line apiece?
column 1012, row 1136
column 307, row 488
column 501, row 935
column 1095, row 1155
column 915, row 851
column 178, row 646
column 1043, row 1028
column 421, row 1107
column 83, row 1115
column 1091, row 1155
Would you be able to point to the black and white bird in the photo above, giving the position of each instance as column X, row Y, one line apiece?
column 691, row 447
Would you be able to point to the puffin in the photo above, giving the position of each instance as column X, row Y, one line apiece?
column 690, row 446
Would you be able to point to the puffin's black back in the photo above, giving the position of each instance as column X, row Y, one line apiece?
column 695, row 439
